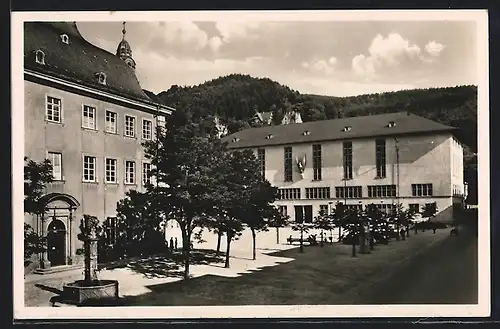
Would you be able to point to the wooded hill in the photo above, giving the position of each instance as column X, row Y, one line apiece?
column 236, row 98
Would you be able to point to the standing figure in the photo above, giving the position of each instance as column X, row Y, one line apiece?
column 175, row 243
column 171, row 244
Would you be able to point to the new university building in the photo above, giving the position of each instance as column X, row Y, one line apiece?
column 86, row 112
column 381, row 159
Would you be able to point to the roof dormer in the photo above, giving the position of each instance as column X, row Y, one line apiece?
column 40, row 57
column 269, row 136
column 347, row 128
column 64, row 38
column 306, row 133
column 101, row 78
column 236, row 139
column 391, row 124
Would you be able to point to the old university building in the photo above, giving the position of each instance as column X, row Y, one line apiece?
column 380, row 159
column 86, row 112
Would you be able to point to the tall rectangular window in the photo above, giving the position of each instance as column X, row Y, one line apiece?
column 316, row 161
column 53, row 109
column 129, row 172
column 283, row 211
column 56, row 161
column 288, row 164
column 89, row 168
column 147, row 129
column 323, row 209
column 380, row 159
column 110, row 126
column 261, row 156
column 129, row 126
column 146, row 168
column 88, row 117
column 111, row 170
column 110, row 231
column 347, row 156
column 414, row 208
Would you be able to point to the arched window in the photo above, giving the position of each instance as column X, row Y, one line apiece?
column 40, row 57
column 101, row 78
column 65, row 38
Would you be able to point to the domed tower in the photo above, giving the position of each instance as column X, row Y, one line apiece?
column 124, row 51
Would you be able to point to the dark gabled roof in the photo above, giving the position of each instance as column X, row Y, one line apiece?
column 328, row 130
column 79, row 61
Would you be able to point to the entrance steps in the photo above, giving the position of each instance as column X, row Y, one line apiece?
column 57, row 269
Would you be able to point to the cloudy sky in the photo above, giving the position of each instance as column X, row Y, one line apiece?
column 337, row 58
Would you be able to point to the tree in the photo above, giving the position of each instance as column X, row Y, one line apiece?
column 352, row 223
column 184, row 161
column 278, row 220
column 338, row 217
column 143, row 231
column 323, row 222
column 36, row 177
column 302, row 228
column 429, row 210
column 375, row 221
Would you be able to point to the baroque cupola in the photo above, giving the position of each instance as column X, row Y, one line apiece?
column 123, row 51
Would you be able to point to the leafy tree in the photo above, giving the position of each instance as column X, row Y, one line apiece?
column 323, row 222
column 338, row 217
column 278, row 220
column 302, row 228
column 184, row 161
column 429, row 210
column 36, row 177
column 375, row 221
column 352, row 223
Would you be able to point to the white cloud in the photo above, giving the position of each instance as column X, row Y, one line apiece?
column 434, row 48
column 321, row 66
column 215, row 43
column 230, row 30
column 385, row 52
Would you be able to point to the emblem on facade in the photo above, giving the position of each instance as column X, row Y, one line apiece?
column 301, row 165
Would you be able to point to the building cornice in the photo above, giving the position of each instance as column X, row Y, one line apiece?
column 93, row 91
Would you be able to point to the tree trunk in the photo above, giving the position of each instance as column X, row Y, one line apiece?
column 301, row 249
column 398, row 235
column 322, row 239
column 362, row 242
column 228, row 247
column 354, row 247
column 340, row 234
column 186, row 248
column 277, row 235
column 408, row 231
column 416, row 229
column 219, row 237
column 254, row 254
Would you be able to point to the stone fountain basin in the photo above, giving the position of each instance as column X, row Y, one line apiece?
column 81, row 291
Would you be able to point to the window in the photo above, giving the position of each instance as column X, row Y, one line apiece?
column 386, row 208
column 101, row 78
column 89, row 168
column 323, row 209
column 129, row 126
column 355, row 207
column 88, row 117
column 129, row 172
column 65, row 38
column 347, row 155
column 146, row 169
column 414, row 208
column 348, row 192
column 381, row 191
column 40, row 57
column 110, row 231
column 283, row 210
column 53, row 110
column 261, row 155
column 111, row 171
column 147, row 129
column 380, row 159
column 56, row 161
column 288, row 164
column 421, row 189
column 316, row 161
column 317, row 193
column 289, row 193
column 110, row 122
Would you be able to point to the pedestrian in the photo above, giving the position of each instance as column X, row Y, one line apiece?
column 175, row 243
column 171, row 244
column 434, row 230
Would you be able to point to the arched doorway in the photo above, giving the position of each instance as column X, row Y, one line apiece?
column 56, row 243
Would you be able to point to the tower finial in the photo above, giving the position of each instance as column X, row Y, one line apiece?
column 124, row 31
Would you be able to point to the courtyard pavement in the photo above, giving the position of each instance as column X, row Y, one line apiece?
column 135, row 281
